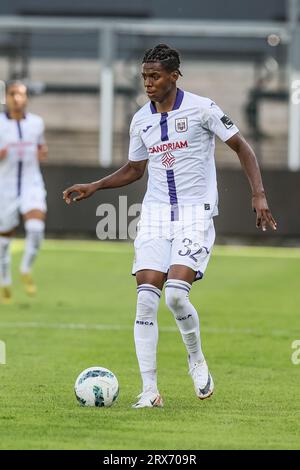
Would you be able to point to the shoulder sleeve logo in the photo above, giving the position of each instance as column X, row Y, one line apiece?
column 227, row 121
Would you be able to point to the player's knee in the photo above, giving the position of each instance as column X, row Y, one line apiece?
column 175, row 299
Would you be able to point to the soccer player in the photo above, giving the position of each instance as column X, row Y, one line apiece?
column 22, row 190
column 175, row 134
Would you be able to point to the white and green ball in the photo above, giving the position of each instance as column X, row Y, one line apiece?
column 96, row 386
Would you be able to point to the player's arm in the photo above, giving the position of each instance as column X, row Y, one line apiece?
column 3, row 153
column 42, row 152
column 250, row 165
column 42, row 147
column 127, row 174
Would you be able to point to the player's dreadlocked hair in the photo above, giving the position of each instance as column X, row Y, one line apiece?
column 169, row 58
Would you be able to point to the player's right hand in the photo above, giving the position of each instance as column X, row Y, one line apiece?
column 3, row 153
column 83, row 192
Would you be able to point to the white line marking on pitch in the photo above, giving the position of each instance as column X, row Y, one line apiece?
column 165, row 329
column 126, row 248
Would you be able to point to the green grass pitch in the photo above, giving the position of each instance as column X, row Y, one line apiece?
column 83, row 316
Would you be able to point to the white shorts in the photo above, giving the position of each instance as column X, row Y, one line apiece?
column 32, row 197
column 189, row 244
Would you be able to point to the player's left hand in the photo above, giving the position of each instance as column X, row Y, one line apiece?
column 264, row 217
column 42, row 152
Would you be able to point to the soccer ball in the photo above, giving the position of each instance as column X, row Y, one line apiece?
column 96, row 386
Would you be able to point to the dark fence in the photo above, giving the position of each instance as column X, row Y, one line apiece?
column 236, row 218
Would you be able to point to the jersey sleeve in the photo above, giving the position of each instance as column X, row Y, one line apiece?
column 219, row 123
column 41, row 135
column 137, row 150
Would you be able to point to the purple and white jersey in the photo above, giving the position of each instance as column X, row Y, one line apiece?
column 21, row 138
column 180, row 148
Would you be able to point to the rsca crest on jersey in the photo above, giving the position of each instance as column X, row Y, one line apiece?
column 227, row 121
column 168, row 160
column 181, row 124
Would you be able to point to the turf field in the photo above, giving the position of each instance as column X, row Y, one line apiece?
column 249, row 306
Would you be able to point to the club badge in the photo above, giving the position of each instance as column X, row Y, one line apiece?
column 181, row 124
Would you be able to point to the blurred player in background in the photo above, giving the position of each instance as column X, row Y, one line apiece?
column 175, row 134
column 22, row 190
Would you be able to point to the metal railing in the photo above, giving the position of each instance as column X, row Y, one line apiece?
column 110, row 32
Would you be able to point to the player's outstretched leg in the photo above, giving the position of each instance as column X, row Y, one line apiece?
column 186, row 316
column 34, row 236
column 146, row 337
column 5, row 270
